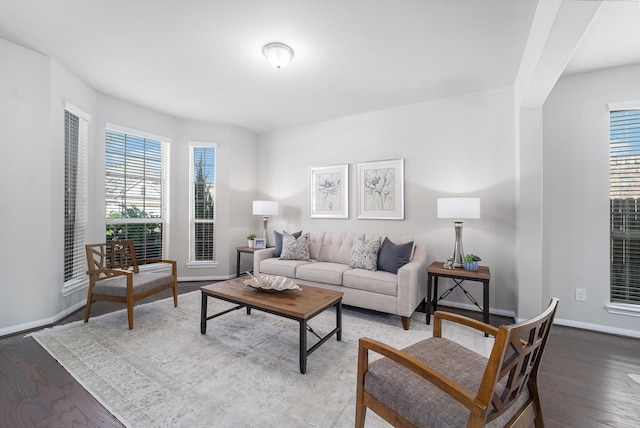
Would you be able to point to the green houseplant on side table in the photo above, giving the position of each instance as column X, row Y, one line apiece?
column 471, row 262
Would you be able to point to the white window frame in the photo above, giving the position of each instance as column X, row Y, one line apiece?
column 619, row 308
column 165, row 186
column 192, row 262
column 78, row 279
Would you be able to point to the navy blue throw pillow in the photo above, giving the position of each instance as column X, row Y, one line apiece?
column 278, row 251
column 392, row 257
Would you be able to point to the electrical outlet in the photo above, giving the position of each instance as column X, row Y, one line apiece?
column 581, row 294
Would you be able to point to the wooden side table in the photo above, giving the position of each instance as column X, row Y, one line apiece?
column 436, row 270
column 240, row 250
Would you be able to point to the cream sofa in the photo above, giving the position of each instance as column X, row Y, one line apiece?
column 330, row 254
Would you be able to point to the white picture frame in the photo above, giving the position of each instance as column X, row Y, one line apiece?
column 259, row 243
column 329, row 191
column 381, row 190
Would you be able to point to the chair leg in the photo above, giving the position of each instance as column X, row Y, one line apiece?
column 405, row 322
column 538, row 422
column 130, row 313
column 87, row 308
column 363, row 366
column 360, row 415
column 175, row 294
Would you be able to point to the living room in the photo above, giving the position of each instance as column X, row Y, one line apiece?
column 534, row 151
column 503, row 155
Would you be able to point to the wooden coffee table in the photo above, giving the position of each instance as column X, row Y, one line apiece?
column 299, row 305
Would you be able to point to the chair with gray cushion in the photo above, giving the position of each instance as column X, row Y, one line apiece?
column 114, row 276
column 439, row 383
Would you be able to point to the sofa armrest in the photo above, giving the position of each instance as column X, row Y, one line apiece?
column 412, row 282
column 260, row 255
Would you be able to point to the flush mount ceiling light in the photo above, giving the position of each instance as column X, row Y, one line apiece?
column 278, row 54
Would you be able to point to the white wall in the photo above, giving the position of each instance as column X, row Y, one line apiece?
column 33, row 92
column 456, row 146
column 26, row 170
column 576, row 193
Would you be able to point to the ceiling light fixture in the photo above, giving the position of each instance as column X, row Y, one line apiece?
column 278, row 54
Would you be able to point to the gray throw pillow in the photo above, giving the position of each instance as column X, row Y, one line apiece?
column 278, row 236
column 295, row 248
column 365, row 254
column 393, row 256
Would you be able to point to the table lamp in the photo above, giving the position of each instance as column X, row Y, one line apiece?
column 458, row 209
column 265, row 209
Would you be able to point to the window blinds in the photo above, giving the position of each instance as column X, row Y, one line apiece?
column 76, row 130
column 624, row 159
column 203, row 161
column 136, row 191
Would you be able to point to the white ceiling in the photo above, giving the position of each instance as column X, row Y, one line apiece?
column 202, row 59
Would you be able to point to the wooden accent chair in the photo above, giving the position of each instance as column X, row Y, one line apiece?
column 437, row 383
column 114, row 276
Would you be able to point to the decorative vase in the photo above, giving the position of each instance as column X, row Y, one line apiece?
column 250, row 243
column 470, row 265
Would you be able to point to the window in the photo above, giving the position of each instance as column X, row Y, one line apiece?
column 76, row 131
column 202, row 166
column 624, row 159
column 137, row 190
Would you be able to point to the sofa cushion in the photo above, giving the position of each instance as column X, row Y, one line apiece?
column 337, row 247
column 324, row 272
column 365, row 254
column 278, row 239
column 378, row 282
column 279, row 267
column 392, row 257
column 295, row 248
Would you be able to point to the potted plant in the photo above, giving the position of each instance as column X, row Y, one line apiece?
column 471, row 262
column 250, row 239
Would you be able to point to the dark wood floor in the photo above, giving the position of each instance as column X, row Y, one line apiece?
column 584, row 380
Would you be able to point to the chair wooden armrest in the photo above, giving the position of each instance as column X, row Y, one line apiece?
column 438, row 379
column 438, row 316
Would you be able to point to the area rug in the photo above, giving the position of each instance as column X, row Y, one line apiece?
column 243, row 372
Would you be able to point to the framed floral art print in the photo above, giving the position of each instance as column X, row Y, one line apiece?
column 381, row 190
column 329, row 188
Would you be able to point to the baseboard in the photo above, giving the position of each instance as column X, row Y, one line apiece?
column 558, row 321
column 33, row 325
column 470, row 307
column 597, row 327
column 7, row 331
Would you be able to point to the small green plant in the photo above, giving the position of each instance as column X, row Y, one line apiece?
column 468, row 258
column 251, row 237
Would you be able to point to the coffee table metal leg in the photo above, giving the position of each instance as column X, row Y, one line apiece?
column 339, row 320
column 303, row 346
column 203, row 314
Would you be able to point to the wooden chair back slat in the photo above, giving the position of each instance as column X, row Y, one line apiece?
column 111, row 255
column 521, row 346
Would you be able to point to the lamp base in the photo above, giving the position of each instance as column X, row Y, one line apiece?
column 458, row 252
column 265, row 236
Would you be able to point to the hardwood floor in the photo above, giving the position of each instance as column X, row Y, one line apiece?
column 584, row 380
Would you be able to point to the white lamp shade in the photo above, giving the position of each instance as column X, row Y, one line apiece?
column 278, row 54
column 459, row 208
column 265, row 208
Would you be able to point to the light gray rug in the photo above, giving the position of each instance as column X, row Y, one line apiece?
column 243, row 372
